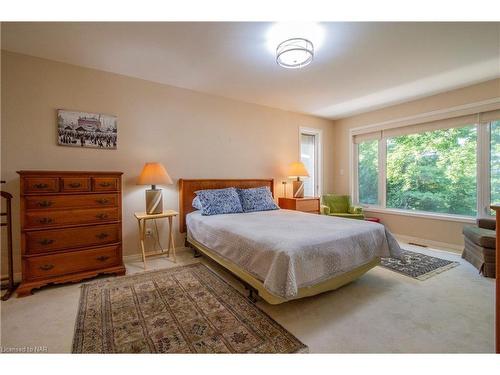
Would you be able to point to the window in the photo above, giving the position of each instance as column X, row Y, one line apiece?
column 310, row 155
column 447, row 166
column 368, row 172
column 433, row 171
column 495, row 161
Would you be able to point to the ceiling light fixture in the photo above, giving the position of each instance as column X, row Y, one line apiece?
column 294, row 44
column 294, row 53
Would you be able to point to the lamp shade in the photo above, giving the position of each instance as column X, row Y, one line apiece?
column 297, row 169
column 154, row 174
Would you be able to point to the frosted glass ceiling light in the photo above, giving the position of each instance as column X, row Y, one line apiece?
column 293, row 44
column 294, row 53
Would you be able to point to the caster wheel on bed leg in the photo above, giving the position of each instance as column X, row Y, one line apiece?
column 196, row 253
column 252, row 296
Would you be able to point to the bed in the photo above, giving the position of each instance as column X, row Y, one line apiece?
column 283, row 255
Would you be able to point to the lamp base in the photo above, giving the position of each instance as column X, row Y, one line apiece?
column 298, row 189
column 154, row 202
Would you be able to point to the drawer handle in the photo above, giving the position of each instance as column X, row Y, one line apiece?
column 105, row 184
column 102, row 201
column 102, row 258
column 101, row 216
column 45, row 220
column 46, row 241
column 102, row 236
column 46, row 267
column 45, row 203
column 75, row 185
column 41, row 186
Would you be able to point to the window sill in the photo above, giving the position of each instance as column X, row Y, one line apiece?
column 421, row 214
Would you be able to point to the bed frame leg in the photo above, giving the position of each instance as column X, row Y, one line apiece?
column 252, row 293
column 251, row 296
column 196, row 253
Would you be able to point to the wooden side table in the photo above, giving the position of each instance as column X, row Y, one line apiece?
column 306, row 204
column 142, row 217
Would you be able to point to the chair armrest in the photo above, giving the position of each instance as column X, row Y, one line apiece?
column 486, row 223
column 325, row 210
column 355, row 210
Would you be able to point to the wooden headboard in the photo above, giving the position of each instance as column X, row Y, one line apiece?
column 188, row 187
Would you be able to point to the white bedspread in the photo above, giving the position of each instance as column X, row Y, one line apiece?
column 288, row 249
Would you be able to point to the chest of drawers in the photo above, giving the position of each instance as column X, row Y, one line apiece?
column 71, row 225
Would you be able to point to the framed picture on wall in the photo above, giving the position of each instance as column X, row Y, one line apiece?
column 83, row 129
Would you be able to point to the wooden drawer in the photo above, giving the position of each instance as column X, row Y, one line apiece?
column 38, row 242
column 76, row 261
column 75, row 184
column 51, row 218
column 41, row 185
column 71, row 201
column 309, row 205
column 106, row 184
column 70, row 226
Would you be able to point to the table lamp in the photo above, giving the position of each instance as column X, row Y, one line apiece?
column 154, row 174
column 298, row 170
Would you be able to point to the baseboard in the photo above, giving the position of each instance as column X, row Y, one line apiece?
column 138, row 256
column 131, row 258
column 430, row 243
column 18, row 276
column 400, row 237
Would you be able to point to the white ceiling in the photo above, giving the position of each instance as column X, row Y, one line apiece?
column 359, row 67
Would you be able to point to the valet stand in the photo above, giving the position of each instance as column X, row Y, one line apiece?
column 11, row 286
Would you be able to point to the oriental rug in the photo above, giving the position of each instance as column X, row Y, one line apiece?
column 187, row 309
column 418, row 266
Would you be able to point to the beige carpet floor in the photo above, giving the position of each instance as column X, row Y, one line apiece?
column 383, row 312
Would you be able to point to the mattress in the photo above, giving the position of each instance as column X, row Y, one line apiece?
column 288, row 250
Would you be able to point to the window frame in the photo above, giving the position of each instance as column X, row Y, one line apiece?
column 318, row 155
column 482, row 168
column 356, row 168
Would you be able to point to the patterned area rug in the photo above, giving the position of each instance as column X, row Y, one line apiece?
column 185, row 309
column 419, row 266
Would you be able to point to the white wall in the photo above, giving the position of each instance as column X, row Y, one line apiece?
column 194, row 135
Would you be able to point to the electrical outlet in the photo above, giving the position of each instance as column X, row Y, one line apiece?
column 149, row 232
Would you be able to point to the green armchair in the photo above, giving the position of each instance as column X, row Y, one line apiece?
column 340, row 206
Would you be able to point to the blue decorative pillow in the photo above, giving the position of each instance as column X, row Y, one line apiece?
column 219, row 201
column 196, row 203
column 257, row 199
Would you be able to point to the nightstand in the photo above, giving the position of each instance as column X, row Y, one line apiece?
column 142, row 217
column 306, row 204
